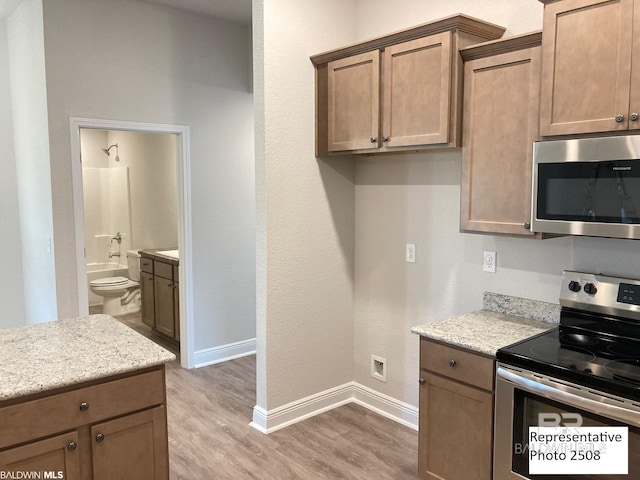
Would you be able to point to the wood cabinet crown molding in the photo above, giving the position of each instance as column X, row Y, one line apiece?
column 458, row 22
column 502, row 45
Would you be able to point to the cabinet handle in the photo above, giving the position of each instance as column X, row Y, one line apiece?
column 170, row 285
column 374, row 140
column 385, row 139
column 619, row 118
column 72, row 446
column 422, row 381
column 634, row 116
column 527, row 226
column 84, row 406
column 452, row 363
column 99, row 437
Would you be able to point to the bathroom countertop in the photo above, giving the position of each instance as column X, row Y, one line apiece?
column 153, row 254
column 47, row 356
column 502, row 321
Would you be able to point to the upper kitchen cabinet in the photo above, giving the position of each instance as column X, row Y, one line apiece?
column 397, row 92
column 590, row 66
column 501, row 94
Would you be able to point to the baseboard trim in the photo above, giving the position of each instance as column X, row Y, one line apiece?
column 281, row 417
column 294, row 412
column 210, row 356
column 386, row 406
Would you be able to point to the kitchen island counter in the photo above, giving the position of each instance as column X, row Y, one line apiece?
column 49, row 356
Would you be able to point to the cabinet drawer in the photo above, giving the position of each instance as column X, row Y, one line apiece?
column 146, row 264
column 163, row 270
column 457, row 364
column 49, row 415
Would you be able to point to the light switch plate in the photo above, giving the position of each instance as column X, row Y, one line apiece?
column 410, row 253
column 489, row 261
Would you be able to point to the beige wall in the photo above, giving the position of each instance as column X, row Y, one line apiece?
column 12, row 293
column 135, row 61
column 306, row 205
column 314, row 291
column 416, row 199
column 32, row 160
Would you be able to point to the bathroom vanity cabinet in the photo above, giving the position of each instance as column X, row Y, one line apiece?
column 159, row 289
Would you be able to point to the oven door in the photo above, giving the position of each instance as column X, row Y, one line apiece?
column 587, row 187
column 521, row 396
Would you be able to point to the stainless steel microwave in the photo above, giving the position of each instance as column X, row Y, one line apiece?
column 587, row 186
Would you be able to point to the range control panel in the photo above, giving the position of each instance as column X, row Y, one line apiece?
column 601, row 294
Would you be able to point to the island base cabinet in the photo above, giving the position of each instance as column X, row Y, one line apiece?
column 56, row 457
column 112, row 430
column 132, row 447
column 456, row 431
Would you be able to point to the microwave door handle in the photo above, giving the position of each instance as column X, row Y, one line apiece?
column 597, row 406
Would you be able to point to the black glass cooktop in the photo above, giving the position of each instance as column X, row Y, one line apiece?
column 601, row 359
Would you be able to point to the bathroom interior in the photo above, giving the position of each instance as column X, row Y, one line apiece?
column 130, row 199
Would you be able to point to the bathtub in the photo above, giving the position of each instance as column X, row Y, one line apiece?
column 102, row 270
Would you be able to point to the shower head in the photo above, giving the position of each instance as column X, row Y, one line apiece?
column 108, row 151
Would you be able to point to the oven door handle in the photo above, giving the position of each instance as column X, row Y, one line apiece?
column 591, row 402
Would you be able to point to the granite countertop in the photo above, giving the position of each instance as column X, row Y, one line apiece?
column 154, row 253
column 503, row 320
column 47, row 356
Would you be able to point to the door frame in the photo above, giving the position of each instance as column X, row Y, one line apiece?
column 183, row 166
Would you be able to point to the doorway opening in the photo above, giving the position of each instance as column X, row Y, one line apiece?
column 131, row 183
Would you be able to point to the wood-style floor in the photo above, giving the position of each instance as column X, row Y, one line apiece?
column 209, row 410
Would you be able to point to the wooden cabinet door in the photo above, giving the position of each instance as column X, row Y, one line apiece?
column 146, row 292
column 456, row 430
column 58, row 456
column 500, row 126
column 417, row 92
column 163, row 295
column 634, row 94
column 353, row 97
column 176, row 311
column 586, row 66
column 133, row 447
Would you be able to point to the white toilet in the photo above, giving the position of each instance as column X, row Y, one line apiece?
column 113, row 289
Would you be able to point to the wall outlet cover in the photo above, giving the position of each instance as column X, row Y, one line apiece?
column 489, row 261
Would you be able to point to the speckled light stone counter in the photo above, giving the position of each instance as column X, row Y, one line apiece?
column 503, row 321
column 47, row 356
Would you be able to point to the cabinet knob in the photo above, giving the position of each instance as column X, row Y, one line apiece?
column 374, row 140
column 385, row 139
column 84, row 406
column 72, row 446
column 527, row 226
column 452, row 363
column 634, row 116
column 619, row 118
column 422, row 381
column 99, row 437
column 170, row 285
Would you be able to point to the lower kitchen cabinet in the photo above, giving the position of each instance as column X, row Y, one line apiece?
column 456, row 413
column 58, row 456
column 116, row 429
column 130, row 447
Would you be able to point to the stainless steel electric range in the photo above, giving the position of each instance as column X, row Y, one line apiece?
column 589, row 364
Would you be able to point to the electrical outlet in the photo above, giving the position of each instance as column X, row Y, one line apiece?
column 489, row 261
column 378, row 368
column 410, row 253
